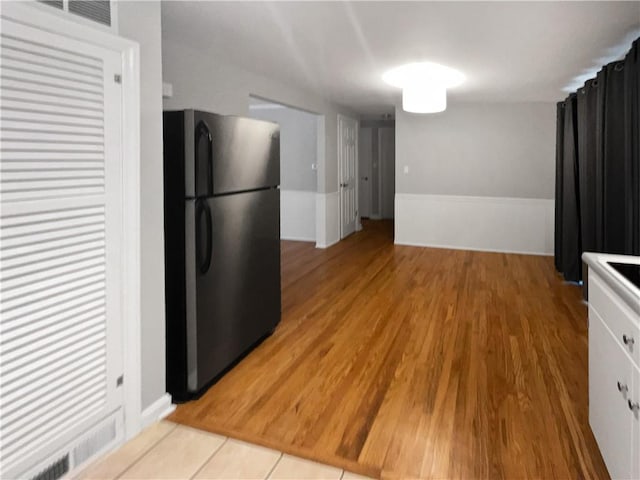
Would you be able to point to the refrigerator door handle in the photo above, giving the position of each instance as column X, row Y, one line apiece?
column 202, row 129
column 204, row 263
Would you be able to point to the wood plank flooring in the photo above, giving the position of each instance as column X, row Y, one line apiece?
column 405, row 362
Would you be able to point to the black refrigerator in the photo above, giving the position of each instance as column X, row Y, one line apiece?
column 222, row 243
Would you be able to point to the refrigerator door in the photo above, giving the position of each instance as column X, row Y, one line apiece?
column 234, row 154
column 236, row 266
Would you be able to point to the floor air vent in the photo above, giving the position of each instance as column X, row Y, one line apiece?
column 55, row 470
column 93, row 443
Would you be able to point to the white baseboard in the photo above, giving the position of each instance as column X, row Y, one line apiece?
column 297, row 239
column 326, row 245
column 158, row 410
column 298, row 215
column 492, row 224
column 328, row 219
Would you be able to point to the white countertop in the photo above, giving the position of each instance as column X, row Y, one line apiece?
column 623, row 287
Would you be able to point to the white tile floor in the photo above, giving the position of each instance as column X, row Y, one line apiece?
column 170, row 451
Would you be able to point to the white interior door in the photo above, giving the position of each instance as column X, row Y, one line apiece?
column 60, row 241
column 347, row 161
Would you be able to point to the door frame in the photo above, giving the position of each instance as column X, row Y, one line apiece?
column 361, row 186
column 342, row 117
column 37, row 17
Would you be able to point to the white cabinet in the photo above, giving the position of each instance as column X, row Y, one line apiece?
column 610, row 383
column 635, row 397
column 614, row 379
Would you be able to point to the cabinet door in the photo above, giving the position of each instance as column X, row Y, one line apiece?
column 609, row 415
column 635, row 397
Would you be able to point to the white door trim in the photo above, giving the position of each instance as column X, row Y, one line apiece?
column 37, row 17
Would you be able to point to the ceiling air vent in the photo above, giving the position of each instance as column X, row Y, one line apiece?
column 53, row 3
column 96, row 10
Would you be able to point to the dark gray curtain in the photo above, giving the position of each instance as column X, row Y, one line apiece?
column 617, row 199
column 598, row 167
column 590, row 162
column 571, row 241
column 559, row 166
column 632, row 152
column 600, row 82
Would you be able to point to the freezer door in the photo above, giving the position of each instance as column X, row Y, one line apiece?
column 235, row 154
column 237, row 272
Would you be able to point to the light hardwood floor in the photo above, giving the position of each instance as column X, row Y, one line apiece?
column 406, row 362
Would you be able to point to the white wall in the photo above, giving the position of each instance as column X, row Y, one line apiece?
column 501, row 152
column 386, row 166
column 140, row 21
column 495, row 224
column 206, row 83
column 298, row 144
column 203, row 82
column 298, row 180
column 298, row 215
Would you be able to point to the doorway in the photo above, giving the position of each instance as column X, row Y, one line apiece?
column 377, row 169
column 299, row 159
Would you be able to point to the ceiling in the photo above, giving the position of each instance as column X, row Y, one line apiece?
column 509, row 51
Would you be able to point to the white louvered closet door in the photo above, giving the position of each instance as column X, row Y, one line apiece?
column 60, row 231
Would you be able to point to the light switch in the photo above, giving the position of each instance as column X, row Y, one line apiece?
column 406, row 169
column 167, row 90
column 314, row 166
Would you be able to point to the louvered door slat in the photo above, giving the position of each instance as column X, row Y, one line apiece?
column 40, row 295
column 25, row 56
column 60, row 187
column 25, row 312
column 14, row 338
column 65, row 56
column 13, row 64
column 44, row 99
column 78, row 239
column 50, row 335
column 33, row 77
column 45, row 428
column 52, row 118
column 36, row 373
column 40, row 406
column 70, row 146
column 39, row 135
column 53, row 156
column 14, row 84
column 35, row 398
column 59, row 107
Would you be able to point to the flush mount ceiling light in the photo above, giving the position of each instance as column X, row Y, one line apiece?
column 424, row 85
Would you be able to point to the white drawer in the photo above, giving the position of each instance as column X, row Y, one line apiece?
column 621, row 320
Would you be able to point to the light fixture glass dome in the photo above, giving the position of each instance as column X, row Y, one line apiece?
column 423, row 72
column 424, row 85
column 424, row 99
